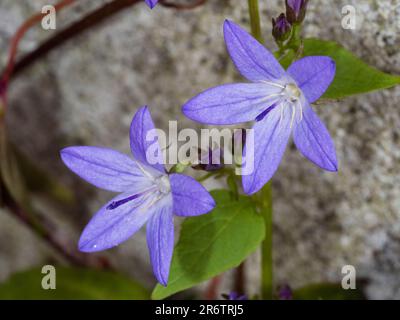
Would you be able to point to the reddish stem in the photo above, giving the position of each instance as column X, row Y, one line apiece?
column 47, row 231
column 240, row 280
column 15, row 43
column 193, row 5
column 212, row 290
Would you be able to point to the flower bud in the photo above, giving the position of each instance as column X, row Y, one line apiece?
column 281, row 28
column 285, row 293
column 296, row 10
column 210, row 160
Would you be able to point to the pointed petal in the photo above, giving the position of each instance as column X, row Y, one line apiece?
column 314, row 142
column 160, row 240
column 108, row 228
column 141, row 126
column 104, row 168
column 251, row 58
column 313, row 75
column 231, row 103
column 189, row 196
column 151, row 3
column 270, row 139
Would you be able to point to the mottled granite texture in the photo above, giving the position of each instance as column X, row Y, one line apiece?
column 87, row 91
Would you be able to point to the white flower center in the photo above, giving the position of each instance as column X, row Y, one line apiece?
column 163, row 185
column 292, row 92
column 289, row 95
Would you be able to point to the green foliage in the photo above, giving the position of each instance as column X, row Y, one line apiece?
column 353, row 76
column 327, row 291
column 72, row 283
column 213, row 243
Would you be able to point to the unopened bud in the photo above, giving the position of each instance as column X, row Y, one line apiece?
column 281, row 28
column 296, row 10
column 210, row 160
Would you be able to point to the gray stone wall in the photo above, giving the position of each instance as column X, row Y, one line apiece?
column 86, row 92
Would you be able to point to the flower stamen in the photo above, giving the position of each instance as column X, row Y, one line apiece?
column 273, row 84
column 293, row 115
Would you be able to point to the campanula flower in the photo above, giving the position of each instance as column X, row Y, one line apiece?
column 147, row 194
column 277, row 100
column 296, row 10
column 151, row 3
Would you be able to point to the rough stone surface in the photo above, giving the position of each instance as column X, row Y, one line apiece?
column 87, row 91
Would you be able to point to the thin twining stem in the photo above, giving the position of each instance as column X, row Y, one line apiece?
column 178, row 6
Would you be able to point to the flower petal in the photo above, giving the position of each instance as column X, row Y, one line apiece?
column 110, row 227
column 160, row 240
column 314, row 142
column 141, row 148
column 151, row 3
column 104, row 168
column 189, row 196
column 313, row 75
column 271, row 136
column 250, row 57
column 231, row 103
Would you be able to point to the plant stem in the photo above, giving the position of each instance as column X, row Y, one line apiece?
column 265, row 206
column 180, row 6
column 255, row 20
column 264, row 197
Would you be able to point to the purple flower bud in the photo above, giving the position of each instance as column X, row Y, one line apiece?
column 281, row 28
column 296, row 10
column 285, row 293
column 235, row 296
column 210, row 160
column 239, row 140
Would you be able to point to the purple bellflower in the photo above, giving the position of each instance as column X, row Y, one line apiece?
column 147, row 194
column 277, row 100
column 151, row 3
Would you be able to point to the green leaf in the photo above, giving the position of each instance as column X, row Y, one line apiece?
column 72, row 283
column 213, row 243
column 327, row 291
column 353, row 76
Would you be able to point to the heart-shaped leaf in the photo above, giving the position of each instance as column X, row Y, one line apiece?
column 213, row 243
column 353, row 76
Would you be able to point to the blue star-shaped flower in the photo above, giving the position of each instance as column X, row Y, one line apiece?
column 277, row 100
column 147, row 194
column 151, row 3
